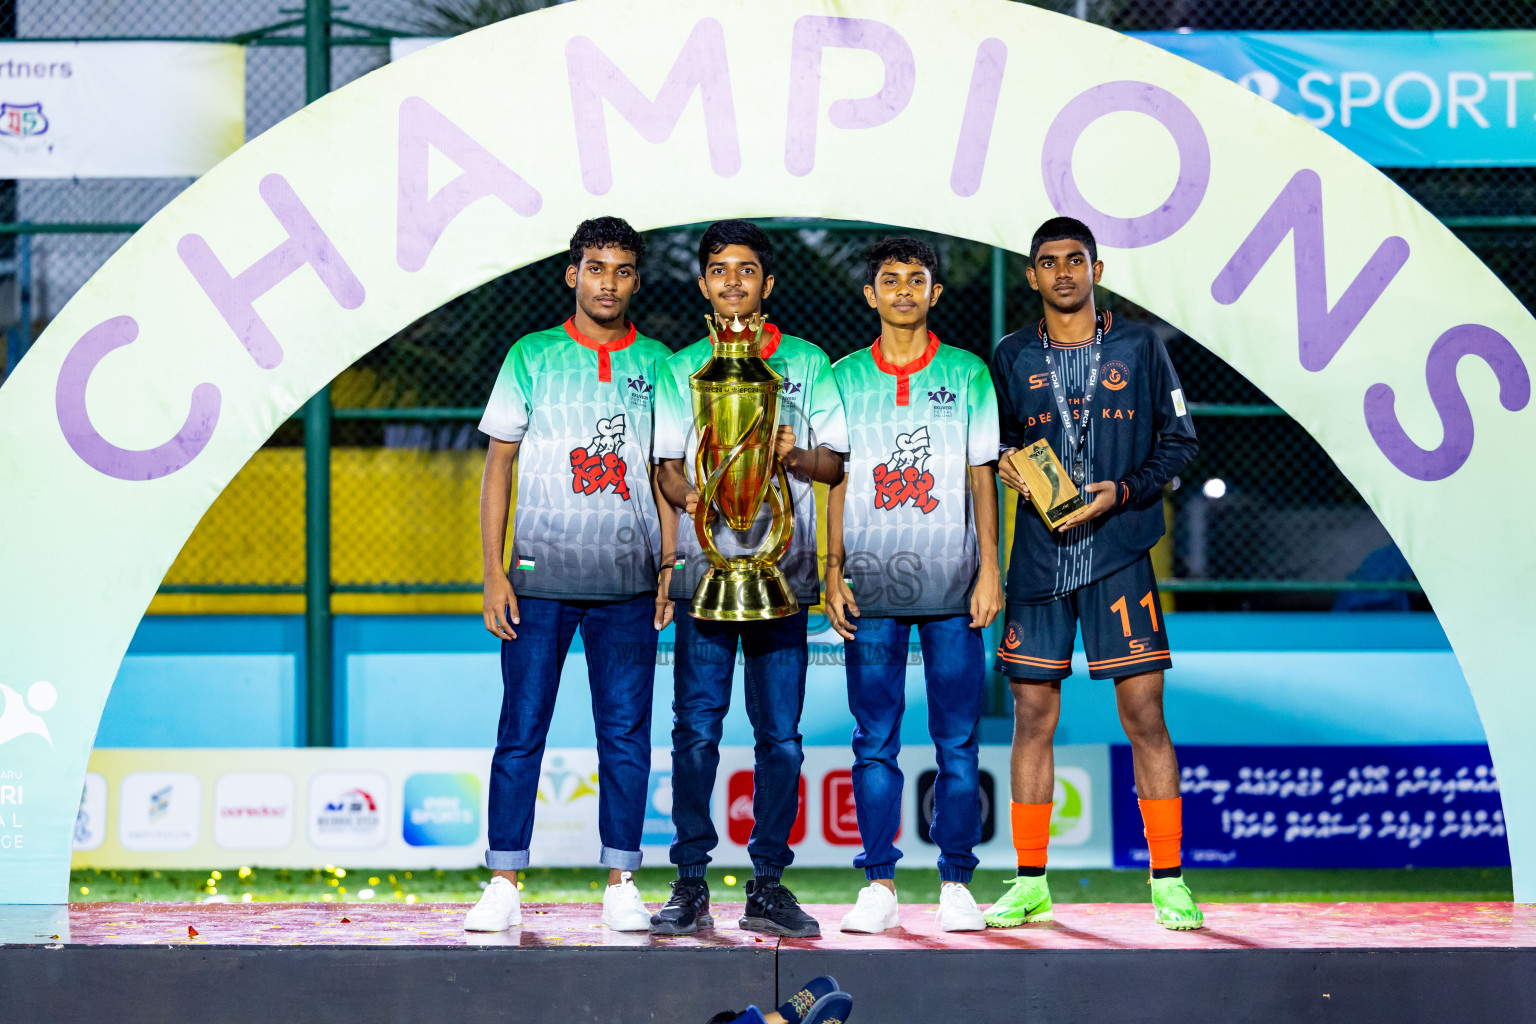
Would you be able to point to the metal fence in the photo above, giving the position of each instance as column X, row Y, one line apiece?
column 402, row 454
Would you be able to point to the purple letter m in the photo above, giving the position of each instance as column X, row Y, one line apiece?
column 701, row 66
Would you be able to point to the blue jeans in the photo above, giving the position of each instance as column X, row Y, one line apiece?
column 954, row 669
column 620, row 642
column 775, row 690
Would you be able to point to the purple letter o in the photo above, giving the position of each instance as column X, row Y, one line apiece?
column 1141, row 98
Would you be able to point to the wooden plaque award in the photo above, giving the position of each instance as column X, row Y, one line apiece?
column 1051, row 490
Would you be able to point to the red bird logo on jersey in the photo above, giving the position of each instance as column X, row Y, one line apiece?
column 598, row 467
column 904, row 479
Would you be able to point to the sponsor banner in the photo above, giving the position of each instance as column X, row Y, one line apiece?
column 119, row 110
column 369, row 807
column 1326, row 807
column 826, row 829
column 1398, row 99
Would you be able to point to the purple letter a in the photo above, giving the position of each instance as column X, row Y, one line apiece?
column 701, row 66
column 1321, row 331
column 423, row 218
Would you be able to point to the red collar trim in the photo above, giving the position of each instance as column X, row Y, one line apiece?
column 602, row 348
column 1109, row 321
column 904, row 372
column 771, row 338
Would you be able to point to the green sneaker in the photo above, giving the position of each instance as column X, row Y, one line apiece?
column 1027, row 899
column 1173, row 905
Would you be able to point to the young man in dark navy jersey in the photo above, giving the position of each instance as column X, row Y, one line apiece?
column 1104, row 394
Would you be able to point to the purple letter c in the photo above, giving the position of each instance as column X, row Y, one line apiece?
column 99, row 453
column 1142, row 98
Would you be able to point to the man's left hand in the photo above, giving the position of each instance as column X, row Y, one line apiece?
column 784, row 443
column 1105, row 494
column 987, row 597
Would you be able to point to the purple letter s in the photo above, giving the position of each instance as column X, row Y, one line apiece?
column 1440, row 371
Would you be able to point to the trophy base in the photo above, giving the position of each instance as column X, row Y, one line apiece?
column 1054, row 517
column 744, row 590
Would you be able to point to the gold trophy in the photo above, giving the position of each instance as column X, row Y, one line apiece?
column 1051, row 490
column 736, row 411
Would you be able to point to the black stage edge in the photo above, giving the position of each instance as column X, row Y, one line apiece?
column 1357, row 986
column 427, row 985
column 373, row 985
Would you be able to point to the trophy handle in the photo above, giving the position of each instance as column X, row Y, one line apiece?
column 710, row 483
column 783, row 531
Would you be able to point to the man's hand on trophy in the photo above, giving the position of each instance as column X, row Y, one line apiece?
column 664, row 604
column 691, row 503
column 840, row 605
column 500, row 607
column 784, row 444
column 1104, row 494
column 1010, row 473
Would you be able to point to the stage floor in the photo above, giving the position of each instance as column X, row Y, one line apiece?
column 231, row 963
column 1101, row 926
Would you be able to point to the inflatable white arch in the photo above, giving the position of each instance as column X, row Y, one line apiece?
column 1350, row 305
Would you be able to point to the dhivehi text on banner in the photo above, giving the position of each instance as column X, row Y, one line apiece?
column 1392, row 806
column 119, row 110
column 1398, row 99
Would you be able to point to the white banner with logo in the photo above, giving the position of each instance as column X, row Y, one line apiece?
column 371, row 807
column 119, row 110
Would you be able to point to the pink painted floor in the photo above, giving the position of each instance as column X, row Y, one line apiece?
column 567, row 925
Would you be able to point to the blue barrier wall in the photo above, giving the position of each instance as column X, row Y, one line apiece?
column 433, row 681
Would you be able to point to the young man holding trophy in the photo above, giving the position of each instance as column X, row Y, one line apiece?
column 912, row 544
column 572, row 409
column 746, row 420
column 1094, row 424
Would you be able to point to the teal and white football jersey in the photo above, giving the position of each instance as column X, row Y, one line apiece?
column 585, row 525
column 908, row 528
column 809, row 404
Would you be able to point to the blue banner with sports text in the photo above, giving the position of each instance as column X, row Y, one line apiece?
column 1325, row 807
column 1398, row 99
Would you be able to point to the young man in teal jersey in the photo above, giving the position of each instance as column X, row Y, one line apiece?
column 572, row 410
column 736, row 275
column 912, row 543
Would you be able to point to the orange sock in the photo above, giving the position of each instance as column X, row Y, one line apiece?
column 1031, row 833
column 1163, row 825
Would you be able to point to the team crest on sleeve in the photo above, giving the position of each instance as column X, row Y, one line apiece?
column 599, row 467
column 904, row 478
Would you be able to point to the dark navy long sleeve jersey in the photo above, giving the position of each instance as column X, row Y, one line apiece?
column 1140, row 437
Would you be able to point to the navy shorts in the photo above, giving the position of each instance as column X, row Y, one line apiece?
column 1123, row 630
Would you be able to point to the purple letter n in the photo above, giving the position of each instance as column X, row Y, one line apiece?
column 700, row 66
column 1321, row 331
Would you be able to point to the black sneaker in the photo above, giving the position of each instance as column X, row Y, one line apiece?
column 773, row 908
column 686, row 910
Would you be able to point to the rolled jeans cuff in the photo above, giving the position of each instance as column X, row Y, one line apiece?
column 948, row 873
column 877, row 871
column 506, row 860
column 619, row 860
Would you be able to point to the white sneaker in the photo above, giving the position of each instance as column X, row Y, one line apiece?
column 499, row 908
column 958, row 911
column 876, row 910
column 623, row 909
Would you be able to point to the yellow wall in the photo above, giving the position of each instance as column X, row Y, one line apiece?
column 397, row 516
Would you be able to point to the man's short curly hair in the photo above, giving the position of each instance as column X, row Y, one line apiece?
column 899, row 249
column 606, row 233
column 1064, row 229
